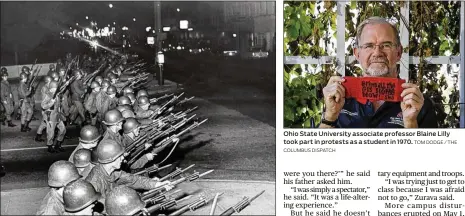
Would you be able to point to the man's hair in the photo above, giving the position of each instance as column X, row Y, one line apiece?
column 375, row 20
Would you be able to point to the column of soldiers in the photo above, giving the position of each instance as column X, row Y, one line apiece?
column 121, row 137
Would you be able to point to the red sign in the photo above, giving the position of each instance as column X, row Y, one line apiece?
column 373, row 88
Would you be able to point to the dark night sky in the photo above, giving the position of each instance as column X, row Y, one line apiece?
column 25, row 24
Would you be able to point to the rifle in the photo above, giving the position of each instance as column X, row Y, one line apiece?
column 151, row 135
column 163, row 197
column 193, row 206
column 34, row 77
column 162, row 206
column 238, row 207
column 154, row 100
column 60, row 81
column 35, row 62
column 156, row 191
column 152, row 169
column 63, row 87
column 163, row 107
column 92, row 75
column 140, row 149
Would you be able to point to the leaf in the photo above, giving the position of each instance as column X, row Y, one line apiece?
column 353, row 4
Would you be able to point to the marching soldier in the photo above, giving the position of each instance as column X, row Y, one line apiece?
column 106, row 175
column 55, row 118
column 124, row 100
column 90, row 103
column 59, row 175
column 80, row 197
column 142, row 93
column 7, row 97
column 88, row 139
column 43, row 123
column 127, row 90
column 77, row 91
column 64, row 96
column 81, row 160
column 25, row 96
column 98, row 79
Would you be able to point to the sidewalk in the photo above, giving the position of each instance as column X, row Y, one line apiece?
column 27, row 201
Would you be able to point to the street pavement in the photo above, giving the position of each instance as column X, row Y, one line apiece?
column 238, row 140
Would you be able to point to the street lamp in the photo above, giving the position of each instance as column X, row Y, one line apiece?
column 178, row 9
column 234, row 35
column 160, row 61
column 87, row 17
column 134, row 19
column 77, row 23
column 110, row 5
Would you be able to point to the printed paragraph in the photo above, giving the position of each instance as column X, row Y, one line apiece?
column 320, row 193
column 421, row 193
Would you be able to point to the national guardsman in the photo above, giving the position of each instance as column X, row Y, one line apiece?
column 7, row 97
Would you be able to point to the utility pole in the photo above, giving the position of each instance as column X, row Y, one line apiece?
column 158, row 42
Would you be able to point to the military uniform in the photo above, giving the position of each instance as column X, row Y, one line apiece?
column 43, row 123
column 77, row 91
column 54, row 120
column 7, row 99
column 104, row 182
column 91, row 107
column 26, row 108
column 52, row 204
column 113, row 136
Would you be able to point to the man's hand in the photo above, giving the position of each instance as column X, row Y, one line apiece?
column 147, row 146
column 149, row 156
column 412, row 102
column 166, row 184
column 334, row 94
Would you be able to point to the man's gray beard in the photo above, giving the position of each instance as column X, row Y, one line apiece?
column 378, row 72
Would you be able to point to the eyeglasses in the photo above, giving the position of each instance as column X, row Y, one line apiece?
column 386, row 47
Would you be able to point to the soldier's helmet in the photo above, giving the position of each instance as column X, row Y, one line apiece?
column 4, row 73
column 123, row 108
column 82, row 158
column 55, row 75
column 25, row 69
column 78, row 195
column 112, row 76
column 108, row 151
column 51, row 66
column 99, row 79
column 53, row 84
column 94, row 84
column 61, row 173
column 123, row 200
column 141, row 93
column 105, row 84
column 47, row 79
column 132, row 97
column 124, row 100
column 23, row 76
column 111, row 90
column 127, row 90
column 89, row 134
column 130, row 125
column 143, row 100
column 128, row 114
column 77, row 72
column 113, row 117
column 3, row 70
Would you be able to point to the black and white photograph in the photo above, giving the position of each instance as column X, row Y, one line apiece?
column 138, row 108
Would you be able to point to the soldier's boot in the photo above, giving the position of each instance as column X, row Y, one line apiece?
column 58, row 146
column 23, row 129
column 39, row 138
column 51, row 149
column 26, row 126
column 10, row 124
